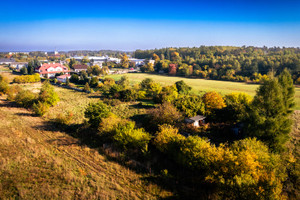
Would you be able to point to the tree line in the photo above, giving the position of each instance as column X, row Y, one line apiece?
column 224, row 63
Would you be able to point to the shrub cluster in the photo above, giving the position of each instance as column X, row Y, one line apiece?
column 244, row 170
column 39, row 103
column 122, row 132
column 27, row 79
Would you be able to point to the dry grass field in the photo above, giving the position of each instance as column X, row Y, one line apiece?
column 39, row 161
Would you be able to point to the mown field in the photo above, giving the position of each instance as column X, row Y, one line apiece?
column 202, row 85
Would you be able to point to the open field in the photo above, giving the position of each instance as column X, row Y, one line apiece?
column 39, row 162
column 202, row 85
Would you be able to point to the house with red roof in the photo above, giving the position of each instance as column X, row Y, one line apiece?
column 63, row 78
column 49, row 70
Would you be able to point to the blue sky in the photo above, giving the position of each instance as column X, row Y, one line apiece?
column 129, row 25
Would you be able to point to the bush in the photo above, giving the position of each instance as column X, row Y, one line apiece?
column 27, row 79
column 40, row 108
column 64, row 119
column 128, row 137
column 25, row 98
column 12, row 92
column 109, row 81
column 48, row 95
column 109, row 125
column 3, row 87
column 167, row 139
column 95, row 112
column 166, row 113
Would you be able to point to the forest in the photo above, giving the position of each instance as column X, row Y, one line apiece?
column 249, row 64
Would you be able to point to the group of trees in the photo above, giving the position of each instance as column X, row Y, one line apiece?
column 30, row 68
column 39, row 103
column 250, row 168
column 225, row 63
column 122, row 132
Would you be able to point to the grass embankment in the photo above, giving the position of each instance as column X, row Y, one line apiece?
column 39, row 162
column 202, row 85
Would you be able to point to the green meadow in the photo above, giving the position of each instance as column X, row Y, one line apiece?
column 200, row 86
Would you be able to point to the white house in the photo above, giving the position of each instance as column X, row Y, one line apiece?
column 50, row 69
column 196, row 121
column 63, row 78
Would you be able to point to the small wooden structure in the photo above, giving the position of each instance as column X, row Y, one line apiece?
column 196, row 121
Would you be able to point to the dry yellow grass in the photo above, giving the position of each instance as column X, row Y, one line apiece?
column 41, row 164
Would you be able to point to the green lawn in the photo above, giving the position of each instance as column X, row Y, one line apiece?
column 202, row 85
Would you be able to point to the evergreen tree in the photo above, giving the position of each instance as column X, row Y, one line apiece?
column 268, row 120
column 67, row 81
column 87, row 87
column 24, row 70
column 288, row 90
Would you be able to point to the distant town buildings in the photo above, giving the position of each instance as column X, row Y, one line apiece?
column 12, row 53
column 18, row 65
column 97, row 60
column 6, row 61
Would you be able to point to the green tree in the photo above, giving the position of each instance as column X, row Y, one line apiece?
column 165, row 113
column 237, row 106
column 190, row 105
column 94, row 82
column 182, row 87
column 48, row 95
column 24, row 70
column 288, row 90
column 95, row 112
column 129, row 137
column 124, row 81
column 74, row 78
column 87, row 87
column 72, row 63
column 125, row 61
column 268, row 119
column 145, row 84
column 67, row 81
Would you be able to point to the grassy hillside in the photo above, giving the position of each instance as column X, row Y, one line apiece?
column 39, row 162
column 202, row 85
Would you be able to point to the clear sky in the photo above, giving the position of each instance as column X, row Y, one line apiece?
column 129, row 25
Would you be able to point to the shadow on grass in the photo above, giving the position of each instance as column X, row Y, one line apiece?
column 94, row 97
column 151, row 166
column 10, row 104
column 26, row 114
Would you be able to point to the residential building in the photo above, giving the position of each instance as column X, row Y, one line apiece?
column 63, row 78
column 49, row 70
column 18, row 65
column 79, row 68
column 196, row 121
column 6, row 61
